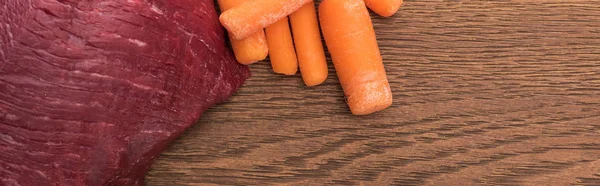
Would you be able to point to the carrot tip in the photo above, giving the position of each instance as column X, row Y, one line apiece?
column 371, row 97
column 313, row 80
column 385, row 8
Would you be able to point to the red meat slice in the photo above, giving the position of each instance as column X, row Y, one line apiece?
column 91, row 91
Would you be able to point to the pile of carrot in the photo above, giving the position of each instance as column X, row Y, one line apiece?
column 260, row 27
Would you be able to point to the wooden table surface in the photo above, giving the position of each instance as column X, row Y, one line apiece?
column 485, row 92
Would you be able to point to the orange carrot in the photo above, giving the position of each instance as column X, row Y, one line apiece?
column 281, row 48
column 248, row 50
column 350, row 38
column 252, row 16
column 307, row 38
column 385, row 8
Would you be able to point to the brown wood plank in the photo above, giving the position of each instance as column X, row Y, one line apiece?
column 486, row 92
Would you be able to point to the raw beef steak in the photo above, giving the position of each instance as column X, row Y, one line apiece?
column 91, row 91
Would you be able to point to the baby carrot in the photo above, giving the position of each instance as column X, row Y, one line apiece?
column 248, row 50
column 281, row 48
column 385, row 8
column 355, row 55
column 252, row 16
column 307, row 38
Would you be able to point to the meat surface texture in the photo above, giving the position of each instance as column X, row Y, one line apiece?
column 91, row 91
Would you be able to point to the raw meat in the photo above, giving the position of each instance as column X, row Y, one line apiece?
column 91, row 91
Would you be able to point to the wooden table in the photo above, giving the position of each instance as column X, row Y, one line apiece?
column 486, row 92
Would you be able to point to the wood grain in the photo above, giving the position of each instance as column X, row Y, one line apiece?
column 486, row 93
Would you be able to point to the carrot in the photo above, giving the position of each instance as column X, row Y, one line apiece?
column 252, row 16
column 281, row 48
column 350, row 38
column 248, row 50
column 385, row 8
column 307, row 38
